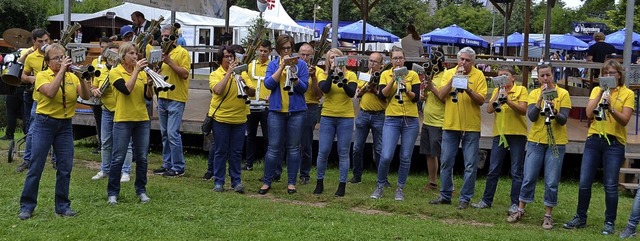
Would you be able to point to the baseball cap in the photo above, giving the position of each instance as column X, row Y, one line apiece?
column 126, row 29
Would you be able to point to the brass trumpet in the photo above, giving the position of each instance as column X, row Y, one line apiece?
column 86, row 72
column 372, row 84
column 240, row 85
column 321, row 47
column 159, row 81
column 68, row 32
column 399, row 74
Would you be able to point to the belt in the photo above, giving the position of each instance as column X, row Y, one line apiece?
column 312, row 104
column 373, row 111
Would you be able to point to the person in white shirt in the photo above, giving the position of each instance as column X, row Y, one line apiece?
column 412, row 44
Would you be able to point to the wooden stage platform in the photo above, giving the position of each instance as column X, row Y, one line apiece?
column 199, row 100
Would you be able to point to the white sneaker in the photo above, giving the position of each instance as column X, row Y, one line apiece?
column 125, row 177
column 99, row 176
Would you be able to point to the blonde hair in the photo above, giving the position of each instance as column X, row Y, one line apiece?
column 616, row 65
column 329, row 60
column 124, row 48
column 599, row 36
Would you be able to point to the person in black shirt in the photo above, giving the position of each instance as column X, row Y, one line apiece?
column 599, row 51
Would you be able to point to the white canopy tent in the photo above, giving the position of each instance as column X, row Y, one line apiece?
column 277, row 20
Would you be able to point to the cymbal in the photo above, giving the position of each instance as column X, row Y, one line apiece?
column 18, row 37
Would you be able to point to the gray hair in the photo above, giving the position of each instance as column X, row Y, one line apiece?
column 469, row 51
column 166, row 27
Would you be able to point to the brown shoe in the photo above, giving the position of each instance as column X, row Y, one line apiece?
column 515, row 217
column 430, row 187
column 547, row 222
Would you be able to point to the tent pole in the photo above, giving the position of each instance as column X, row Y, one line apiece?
column 525, row 51
column 67, row 13
column 626, row 55
column 334, row 23
column 547, row 30
column 365, row 15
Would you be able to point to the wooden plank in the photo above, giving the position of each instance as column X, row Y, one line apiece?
column 630, row 186
column 627, row 170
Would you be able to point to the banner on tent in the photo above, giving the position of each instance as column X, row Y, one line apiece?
column 586, row 30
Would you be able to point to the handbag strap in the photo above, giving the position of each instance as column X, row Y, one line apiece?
column 223, row 98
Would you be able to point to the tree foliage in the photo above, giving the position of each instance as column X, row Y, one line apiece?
column 616, row 16
column 13, row 14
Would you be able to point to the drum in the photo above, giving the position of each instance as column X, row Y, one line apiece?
column 13, row 75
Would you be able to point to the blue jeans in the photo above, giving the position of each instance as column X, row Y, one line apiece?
column 597, row 151
column 470, row 147
column 252, row 131
column 29, row 138
column 394, row 127
column 123, row 132
column 329, row 128
column 537, row 156
column 170, row 117
column 59, row 133
column 284, row 130
column 107, row 144
column 227, row 147
column 27, row 105
column 516, row 147
column 306, row 140
column 366, row 121
column 634, row 218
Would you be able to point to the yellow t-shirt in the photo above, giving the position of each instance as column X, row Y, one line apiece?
column 130, row 107
column 433, row 108
column 408, row 108
column 54, row 107
column 255, row 71
column 371, row 101
column 538, row 132
column 181, row 93
column 233, row 110
column 620, row 97
column 464, row 115
column 34, row 63
column 336, row 102
column 309, row 96
column 24, row 51
column 511, row 122
column 108, row 98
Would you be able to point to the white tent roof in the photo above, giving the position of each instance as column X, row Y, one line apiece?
column 125, row 10
column 276, row 17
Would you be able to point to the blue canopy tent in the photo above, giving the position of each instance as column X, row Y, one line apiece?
column 353, row 32
column 453, row 35
column 566, row 42
column 514, row 40
column 617, row 40
column 319, row 25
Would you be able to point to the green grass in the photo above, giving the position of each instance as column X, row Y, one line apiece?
column 186, row 209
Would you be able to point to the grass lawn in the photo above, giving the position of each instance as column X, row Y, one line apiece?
column 185, row 208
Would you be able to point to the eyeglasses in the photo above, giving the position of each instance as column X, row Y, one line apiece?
column 373, row 62
column 57, row 58
column 397, row 58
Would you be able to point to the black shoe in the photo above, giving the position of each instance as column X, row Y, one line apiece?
column 319, row 186
column 356, row 179
column 575, row 222
column 247, row 168
column 304, row 180
column 172, row 173
column 24, row 215
column 160, row 171
column 67, row 213
column 207, row 176
column 23, row 166
column 263, row 191
column 341, row 189
column 440, row 200
column 6, row 138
